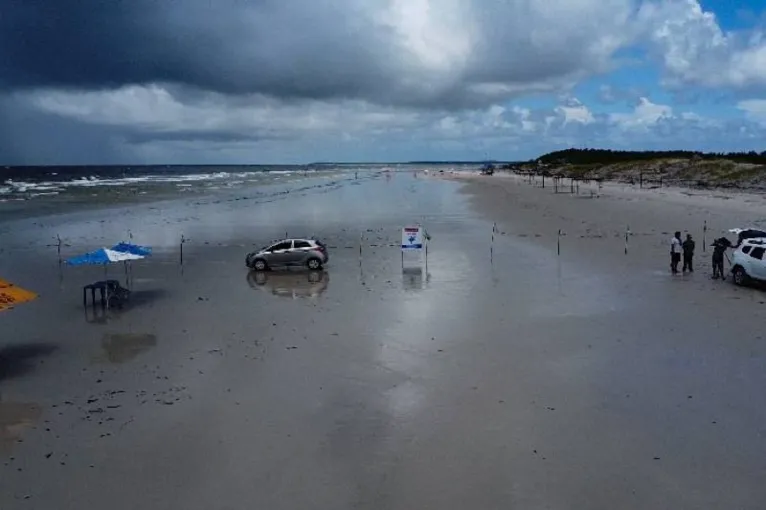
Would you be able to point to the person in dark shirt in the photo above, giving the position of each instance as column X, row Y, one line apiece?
column 719, row 248
column 688, row 247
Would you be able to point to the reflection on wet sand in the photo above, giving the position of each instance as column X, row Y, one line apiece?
column 291, row 284
column 18, row 359
column 96, row 314
column 14, row 418
column 413, row 278
column 122, row 347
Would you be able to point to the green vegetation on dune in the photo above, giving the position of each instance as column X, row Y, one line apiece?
column 734, row 169
column 608, row 157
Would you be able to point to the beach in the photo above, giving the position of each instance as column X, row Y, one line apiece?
column 534, row 359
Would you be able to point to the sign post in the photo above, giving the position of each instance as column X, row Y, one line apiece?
column 412, row 240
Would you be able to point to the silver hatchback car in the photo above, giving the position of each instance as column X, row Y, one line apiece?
column 308, row 253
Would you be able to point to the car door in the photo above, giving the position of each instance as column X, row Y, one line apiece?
column 279, row 254
column 300, row 249
column 758, row 265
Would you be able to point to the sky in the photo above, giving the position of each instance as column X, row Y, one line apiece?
column 299, row 81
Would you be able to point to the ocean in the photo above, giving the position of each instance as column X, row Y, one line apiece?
column 28, row 182
column 24, row 183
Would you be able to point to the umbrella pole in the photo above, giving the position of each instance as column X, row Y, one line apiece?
column 106, row 286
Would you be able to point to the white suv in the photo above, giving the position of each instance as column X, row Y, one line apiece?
column 749, row 262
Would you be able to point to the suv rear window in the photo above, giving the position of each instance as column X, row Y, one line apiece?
column 757, row 253
column 746, row 249
column 302, row 244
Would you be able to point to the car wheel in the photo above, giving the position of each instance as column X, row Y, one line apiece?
column 260, row 265
column 740, row 276
column 314, row 264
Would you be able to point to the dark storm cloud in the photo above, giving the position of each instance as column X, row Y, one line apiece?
column 134, row 136
column 31, row 137
column 465, row 53
column 212, row 45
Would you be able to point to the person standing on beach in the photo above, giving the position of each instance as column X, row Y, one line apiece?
column 675, row 252
column 719, row 248
column 688, row 247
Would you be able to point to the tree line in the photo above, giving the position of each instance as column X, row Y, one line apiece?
column 607, row 156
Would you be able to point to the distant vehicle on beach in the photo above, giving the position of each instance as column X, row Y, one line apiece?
column 748, row 262
column 308, row 253
column 488, row 169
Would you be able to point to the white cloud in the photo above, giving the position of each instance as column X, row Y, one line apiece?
column 155, row 109
column 159, row 124
column 695, row 50
column 575, row 111
column 755, row 109
column 645, row 115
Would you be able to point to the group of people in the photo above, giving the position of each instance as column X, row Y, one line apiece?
column 685, row 248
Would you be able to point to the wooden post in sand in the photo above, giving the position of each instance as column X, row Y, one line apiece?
column 492, row 242
column 558, row 244
column 704, row 236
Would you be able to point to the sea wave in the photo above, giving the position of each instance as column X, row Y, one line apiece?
column 12, row 186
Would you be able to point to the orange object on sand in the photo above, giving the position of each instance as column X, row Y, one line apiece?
column 11, row 295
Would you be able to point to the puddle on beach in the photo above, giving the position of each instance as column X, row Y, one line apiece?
column 290, row 284
column 123, row 347
column 15, row 417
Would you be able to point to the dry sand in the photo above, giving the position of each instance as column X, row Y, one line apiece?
column 529, row 380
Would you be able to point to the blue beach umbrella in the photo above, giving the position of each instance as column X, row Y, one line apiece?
column 102, row 256
column 134, row 249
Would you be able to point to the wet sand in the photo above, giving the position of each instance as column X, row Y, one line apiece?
column 502, row 376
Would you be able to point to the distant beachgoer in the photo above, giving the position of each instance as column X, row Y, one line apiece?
column 688, row 247
column 719, row 248
column 675, row 252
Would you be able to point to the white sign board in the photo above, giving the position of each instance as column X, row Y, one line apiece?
column 412, row 238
